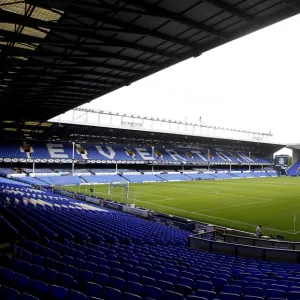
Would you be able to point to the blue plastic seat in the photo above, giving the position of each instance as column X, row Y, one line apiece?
column 71, row 270
column 218, row 283
column 233, row 289
column 37, row 259
column 117, row 273
column 153, row 292
column 37, row 271
column 10, row 293
column 58, row 292
column 258, row 284
column 170, row 278
column 210, row 274
column 111, row 293
column 293, row 295
column 26, row 296
column 75, row 295
column 228, row 296
column 159, row 268
column 254, row 291
column 145, row 280
column 169, row 295
column 91, row 258
column 68, row 260
column 115, row 264
column 15, row 262
column 104, row 270
column 132, row 277
column 141, row 271
column 186, row 281
column 67, row 281
column 193, row 297
column 93, row 289
column 134, row 288
column 204, row 285
column 60, row 266
column 183, row 289
column 173, row 271
column 25, row 267
column 102, row 279
column 165, row 285
column 22, row 281
column 272, row 293
column 85, row 275
column 102, row 261
column 49, row 262
column 129, row 296
column 79, row 263
column 210, row 295
column 127, row 267
column 279, row 287
column 50, row 276
column 39, row 288
column 157, row 275
column 248, row 297
column 241, row 283
column 8, row 276
column 91, row 266
column 117, row 283
column 187, row 274
column 202, row 277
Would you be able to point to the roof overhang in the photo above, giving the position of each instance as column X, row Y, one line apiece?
column 293, row 146
column 56, row 55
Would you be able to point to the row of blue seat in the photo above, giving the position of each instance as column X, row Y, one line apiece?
column 74, row 244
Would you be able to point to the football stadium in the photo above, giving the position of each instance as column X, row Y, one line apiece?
column 98, row 204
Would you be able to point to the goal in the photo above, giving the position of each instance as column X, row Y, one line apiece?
column 114, row 188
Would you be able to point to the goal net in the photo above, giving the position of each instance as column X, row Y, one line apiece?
column 120, row 189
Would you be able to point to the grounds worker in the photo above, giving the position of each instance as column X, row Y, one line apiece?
column 258, row 231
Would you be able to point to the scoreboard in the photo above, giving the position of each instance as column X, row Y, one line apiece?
column 281, row 161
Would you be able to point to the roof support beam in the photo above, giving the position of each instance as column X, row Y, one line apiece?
column 125, row 26
column 66, row 75
column 108, row 41
column 233, row 10
column 14, row 51
column 102, row 40
column 56, row 88
column 161, row 12
column 46, row 96
column 44, row 81
column 63, row 66
column 7, row 36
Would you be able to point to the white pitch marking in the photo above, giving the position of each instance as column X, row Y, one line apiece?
column 212, row 192
column 237, row 205
column 196, row 213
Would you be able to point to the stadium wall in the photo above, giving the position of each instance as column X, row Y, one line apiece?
column 296, row 156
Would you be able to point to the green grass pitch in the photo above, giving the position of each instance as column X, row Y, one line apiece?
column 240, row 204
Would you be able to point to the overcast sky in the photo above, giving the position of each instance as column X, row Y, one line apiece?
column 252, row 83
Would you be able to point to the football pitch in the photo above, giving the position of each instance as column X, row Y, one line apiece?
column 240, row 204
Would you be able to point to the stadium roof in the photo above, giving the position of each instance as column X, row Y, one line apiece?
column 62, row 132
column 58, row 54
column 294, row 146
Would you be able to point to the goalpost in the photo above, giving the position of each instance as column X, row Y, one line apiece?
column 123, row 185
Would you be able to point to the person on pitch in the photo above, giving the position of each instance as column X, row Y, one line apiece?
column 258, row 231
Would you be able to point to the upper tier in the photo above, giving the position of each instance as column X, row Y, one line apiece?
column 102, row 153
